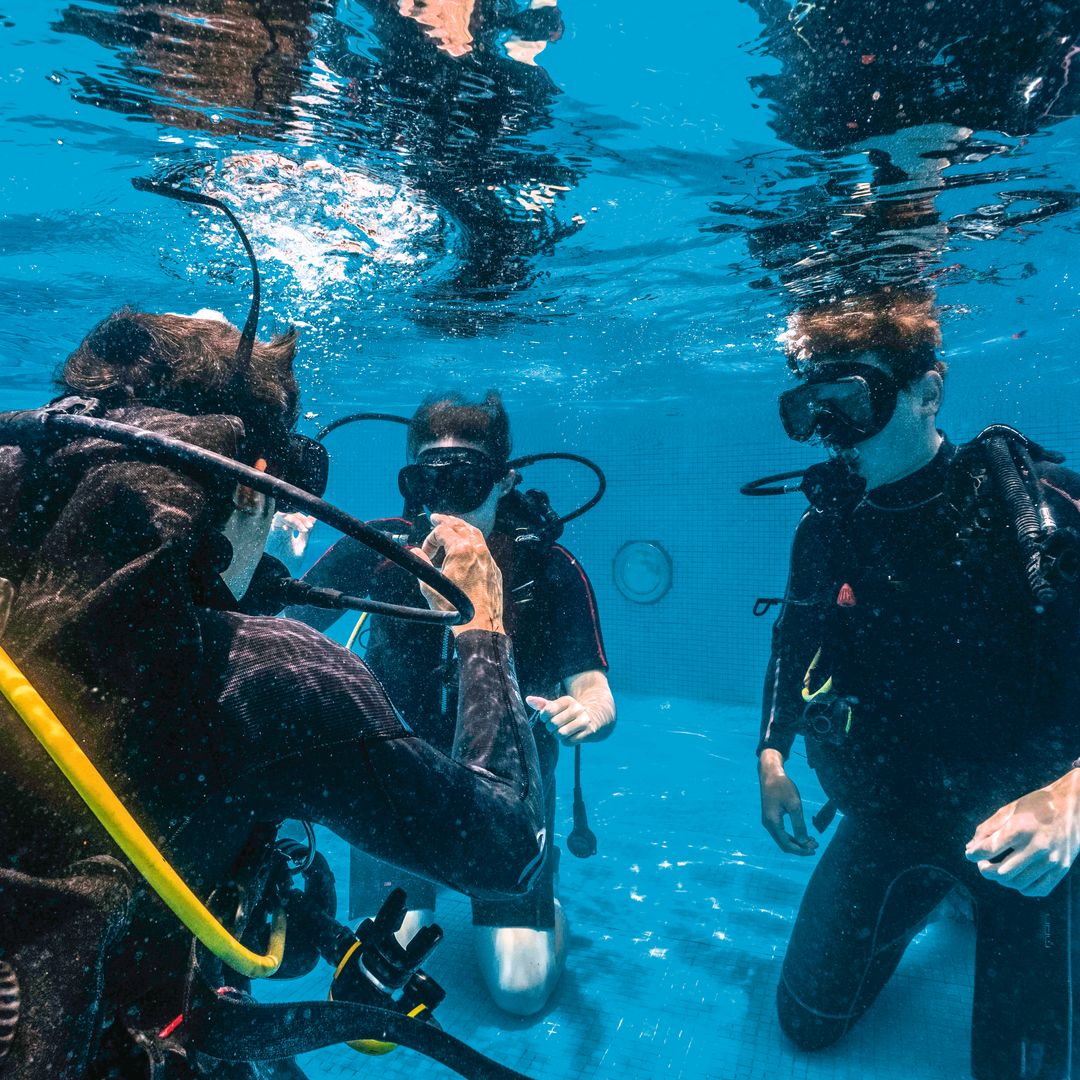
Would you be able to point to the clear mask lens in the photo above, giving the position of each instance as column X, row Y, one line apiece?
column 821, row 407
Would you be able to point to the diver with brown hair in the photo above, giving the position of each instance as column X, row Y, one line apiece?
column 209, row 724
column 926, row 653
column 458, row 462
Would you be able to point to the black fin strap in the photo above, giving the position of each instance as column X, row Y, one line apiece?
column 231, row 1027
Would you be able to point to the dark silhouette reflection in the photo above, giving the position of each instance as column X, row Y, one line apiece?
column 450, row 90
column 883, row 99
column 855, row 227
column 851, row 69
column 442, row 99
column 178, row 63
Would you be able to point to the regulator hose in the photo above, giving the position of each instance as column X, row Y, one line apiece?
column 1023, row 517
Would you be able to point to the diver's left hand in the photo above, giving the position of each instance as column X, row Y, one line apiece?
column 1033, row 839
column 569, row 720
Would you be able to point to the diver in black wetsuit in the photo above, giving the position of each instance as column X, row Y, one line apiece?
column 932, row 692
column 459, row 452
column 205, row 721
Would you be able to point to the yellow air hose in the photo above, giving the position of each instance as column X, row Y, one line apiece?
column 356, row 631
column 125, row 830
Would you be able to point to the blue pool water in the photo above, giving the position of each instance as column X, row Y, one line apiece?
column 678, row 927
column 613, row 235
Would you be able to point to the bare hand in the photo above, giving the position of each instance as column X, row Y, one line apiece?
column 467, row 562
column 297, row 529
column 1030, row 844
column 780, row 797
column 566, row 718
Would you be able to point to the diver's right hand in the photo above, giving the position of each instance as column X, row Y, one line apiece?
column 780, row 796
column 467, row 562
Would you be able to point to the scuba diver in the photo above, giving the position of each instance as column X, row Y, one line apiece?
column 459, row 462
column 121, row 578
column 926, row 652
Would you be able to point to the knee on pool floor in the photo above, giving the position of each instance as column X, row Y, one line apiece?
column 805, row 1028
column 522, row 966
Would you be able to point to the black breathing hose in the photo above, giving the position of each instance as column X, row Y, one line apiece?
column 585, row 507
column 774, row 484
column 1023, row 517
column 354, row 418
column 42, row 426
column 1047, row 523
column 171, row 191
column 515, row 463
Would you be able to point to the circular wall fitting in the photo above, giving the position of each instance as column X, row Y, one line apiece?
column 643, row 571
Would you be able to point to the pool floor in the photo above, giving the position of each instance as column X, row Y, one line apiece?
column 678, row 928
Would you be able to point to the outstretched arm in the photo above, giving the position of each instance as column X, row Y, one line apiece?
column 333, row 750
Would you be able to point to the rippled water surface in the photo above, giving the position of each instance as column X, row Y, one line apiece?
column 607, row 203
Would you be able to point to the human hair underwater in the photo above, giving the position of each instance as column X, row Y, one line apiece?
column 109, row 514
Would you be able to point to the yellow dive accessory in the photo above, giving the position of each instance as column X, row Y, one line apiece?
column 127, row 833
column 374, row 965
column 824, row 688
column 825, row 708
column 372, row 1047
column 356, row 630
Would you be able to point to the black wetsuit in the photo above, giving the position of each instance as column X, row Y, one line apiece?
column 210, row 724
column 551, row 617
column 287, row 724
column 965, row 701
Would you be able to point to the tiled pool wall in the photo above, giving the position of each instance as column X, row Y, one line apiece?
column 674, row 469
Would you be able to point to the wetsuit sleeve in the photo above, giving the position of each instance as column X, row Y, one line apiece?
column 349, row 567
column 262, row 596
column 572, row 635
column 322, row 742
column 796, row 635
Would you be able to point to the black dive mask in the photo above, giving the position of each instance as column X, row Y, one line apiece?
column 449, row 480
column 843, row 405
column 304, row 464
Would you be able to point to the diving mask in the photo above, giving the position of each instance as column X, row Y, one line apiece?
column 449, row 479
column 843, row 404
column 304, row 464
